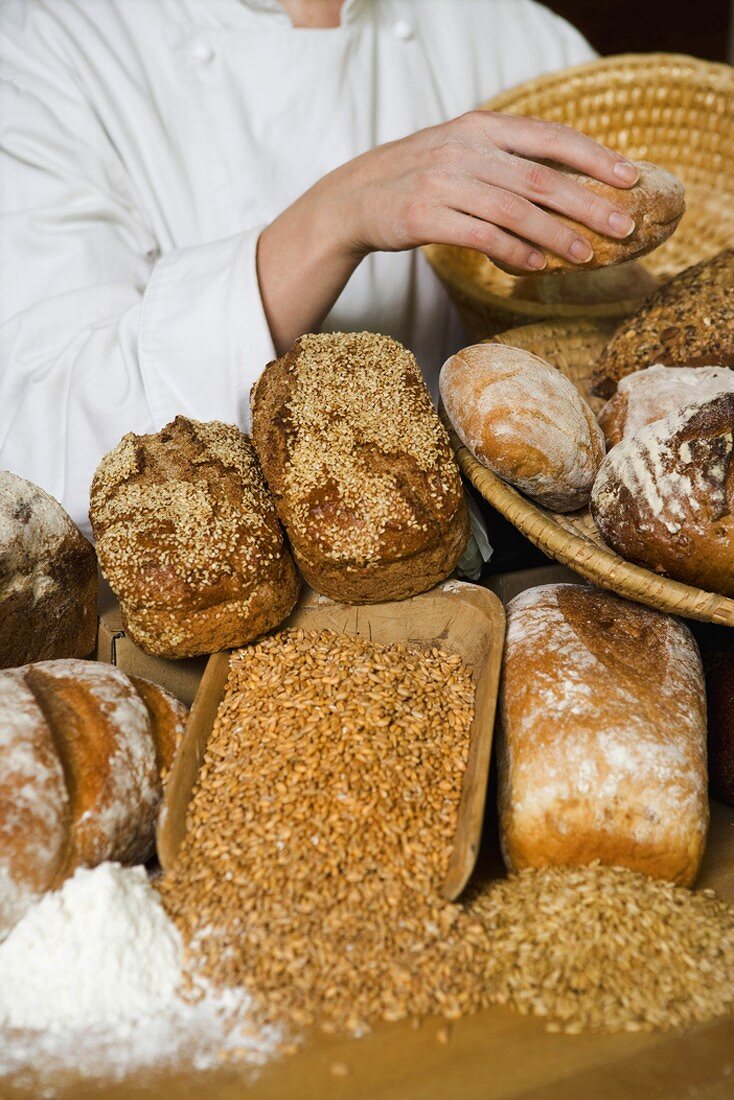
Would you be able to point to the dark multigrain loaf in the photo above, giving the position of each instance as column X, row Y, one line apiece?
column 189, row 540
column 688, row 322
column 360, row 466
column 48, row 578
column 665, row 496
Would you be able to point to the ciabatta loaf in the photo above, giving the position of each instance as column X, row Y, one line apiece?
column 603, row 747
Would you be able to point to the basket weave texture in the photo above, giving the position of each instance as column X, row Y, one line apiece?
column 673, row 110
column 573, row 539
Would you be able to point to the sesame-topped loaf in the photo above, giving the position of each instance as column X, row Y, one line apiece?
column 603, row 746
column 84, row 751
column 48, row 578
column 665, row 496
column 189, row 539
column 360, row 467
column 688, row 322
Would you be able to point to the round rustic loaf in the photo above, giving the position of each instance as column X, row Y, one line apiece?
column 189, row 539
column 602, row 753
column 82, row 751
column 48, row 578
column 652, row 394
column 665, row 496
column 525, row 421
column 360, row 466
column 655, row 204
column 588, row 287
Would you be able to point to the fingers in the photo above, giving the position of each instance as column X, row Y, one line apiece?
column 510, row 211
column 537, row 139
column 555, row 191
column 457, row 228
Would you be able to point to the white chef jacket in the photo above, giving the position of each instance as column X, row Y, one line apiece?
column 144, row 145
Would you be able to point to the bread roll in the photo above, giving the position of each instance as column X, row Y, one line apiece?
column 603, row 747
column 688, row 322
column 189, row 540
column 655, row 203
column 48, row 578
column 360, row 467
column 665, row 496
column 524, row 420
column 625, row 282
column 80, row 751
column 652, row 394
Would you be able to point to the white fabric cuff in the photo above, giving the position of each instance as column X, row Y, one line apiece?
column 204, row 338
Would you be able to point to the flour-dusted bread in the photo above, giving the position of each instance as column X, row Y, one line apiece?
column 189, row 540
column 688, row 322
column 656, row 392
column 665, row 496
column 603, row 746
column 656, row 204
column 360, row 466
column 48, row 578
column 525, row 421
column 83, row 753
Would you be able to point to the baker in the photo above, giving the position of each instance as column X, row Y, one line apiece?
column 188, row 185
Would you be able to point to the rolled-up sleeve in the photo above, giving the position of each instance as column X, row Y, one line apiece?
column 100, row 334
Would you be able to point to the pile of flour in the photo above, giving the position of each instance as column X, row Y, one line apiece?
column 91, row 982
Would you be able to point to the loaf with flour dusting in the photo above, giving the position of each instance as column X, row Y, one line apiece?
column 360, row 466
column 603, row 747
column 665, row 496
column 48, row 578
column 189, row 540
column 83, row 752
column 656, row 392
column 525, row 421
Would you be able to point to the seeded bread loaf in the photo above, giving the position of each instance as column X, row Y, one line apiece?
column 656, row 392
column 524, row 420
column 655, row 204
column 360, row 467
column 688, row 322
column 189, row 540
column 48, row 578
column 665, row 496
column 82, row 755
column 603, row 747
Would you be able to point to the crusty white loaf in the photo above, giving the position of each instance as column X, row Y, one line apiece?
column 665, row 496
column 524, row 420
column 603, row 746
column 652, row 394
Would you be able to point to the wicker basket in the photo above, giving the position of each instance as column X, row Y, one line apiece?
column 573, row 539
column 671, row 109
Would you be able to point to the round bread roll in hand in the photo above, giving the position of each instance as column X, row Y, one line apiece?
column 525, row 421
column 652, row 394
column 655, row 204
column 625, row 282
column 189, row 539
column 665, row 496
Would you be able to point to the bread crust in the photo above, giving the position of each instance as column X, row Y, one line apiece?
column 665, row 496
column 603, row 747
column 360, row 467
column 688, row 322
column 188, row 537
column 524, row 420
column 48, row 578
column 656, row 204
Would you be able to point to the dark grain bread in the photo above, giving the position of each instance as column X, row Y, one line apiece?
column 360, row 467
column 688, row 322
column 189, row 540
column 656, row 392
column 655, row 204
column 48, row 578
column 603, row 746
column 665, row 496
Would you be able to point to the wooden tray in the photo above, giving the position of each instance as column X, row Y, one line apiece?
column 460, row 618
column 573, row 539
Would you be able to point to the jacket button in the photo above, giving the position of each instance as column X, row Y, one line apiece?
column 403, row 30
column 202, row 51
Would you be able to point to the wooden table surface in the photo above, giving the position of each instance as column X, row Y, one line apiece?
column 494, row 1055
